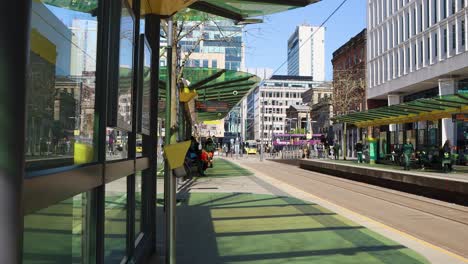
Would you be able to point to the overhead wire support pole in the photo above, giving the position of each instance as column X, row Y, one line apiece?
column 169, row 180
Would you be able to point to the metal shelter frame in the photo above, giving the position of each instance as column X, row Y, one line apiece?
column 426, row 109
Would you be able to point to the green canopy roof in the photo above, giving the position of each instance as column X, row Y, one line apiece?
column 414, row 111
column 227, row 86
column 243, row 9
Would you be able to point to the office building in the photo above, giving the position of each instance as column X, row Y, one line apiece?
column 306, row 52
column 220, row 45
column 417, row 49
column 273, row 97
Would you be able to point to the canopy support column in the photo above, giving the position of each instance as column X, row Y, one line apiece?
column 150, row 143
column 169, row 179
column 14, row 55
column 447, row 86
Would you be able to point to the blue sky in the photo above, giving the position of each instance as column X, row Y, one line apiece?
column 266, row 43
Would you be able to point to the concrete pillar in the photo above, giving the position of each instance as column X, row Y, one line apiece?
column 393, row 99
column 447, row 86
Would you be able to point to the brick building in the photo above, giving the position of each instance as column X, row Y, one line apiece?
column 349, row 75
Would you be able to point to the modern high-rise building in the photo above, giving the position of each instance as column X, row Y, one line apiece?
column 417, row 49
column 306, row 52
column 220, row 45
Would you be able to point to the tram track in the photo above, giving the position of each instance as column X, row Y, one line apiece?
column 440, row 209
column 440, row 223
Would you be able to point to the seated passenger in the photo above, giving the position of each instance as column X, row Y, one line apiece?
column 205, row 161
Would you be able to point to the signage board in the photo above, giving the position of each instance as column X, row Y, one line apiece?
column 460, row 117
column 212, row 106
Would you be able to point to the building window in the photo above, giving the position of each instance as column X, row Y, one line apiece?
column 421, row 55
column 397, row 63
column 214, row 64
column 391, row 66
column 454, row 37
column 428, row 45
column 414, row 22
column 453, row 6
column 435, row 11
column 444, row 9
column 407, row 59
column 407, row 25
column 420, row 17
column 445, row 41
column 401, row 29
column 205, row 63
column 436, row 46
column 427, row 14
column 463, row 31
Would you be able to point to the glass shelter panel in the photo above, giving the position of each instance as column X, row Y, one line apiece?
column 138, row 203
column 115, row 223
column 124, row 108
column 57, row 234
column 61, row 85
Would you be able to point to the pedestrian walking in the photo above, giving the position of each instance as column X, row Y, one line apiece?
column 408, row 150
column 336, row 150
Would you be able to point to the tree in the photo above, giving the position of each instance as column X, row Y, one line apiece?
column 349, row 94
column 349, row 91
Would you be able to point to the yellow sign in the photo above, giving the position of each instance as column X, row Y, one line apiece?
column 186, row 95
column 175, row 153
column 83, row 153
column 212, row 122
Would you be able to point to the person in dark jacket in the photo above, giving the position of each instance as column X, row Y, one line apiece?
column 359, row 147
column 336, row 150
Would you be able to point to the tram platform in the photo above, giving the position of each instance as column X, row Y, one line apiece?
column 451, row 186
column 233, row 216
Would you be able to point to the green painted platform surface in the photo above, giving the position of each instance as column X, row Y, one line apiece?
column 251, row 228
column 226, row 168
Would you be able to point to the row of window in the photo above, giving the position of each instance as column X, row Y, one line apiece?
column 401, row 28
column 267, row 94
column 432, row 10
column 443, row 43
column 202, row 63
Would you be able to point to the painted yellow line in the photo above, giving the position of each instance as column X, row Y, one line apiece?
column 374, row 221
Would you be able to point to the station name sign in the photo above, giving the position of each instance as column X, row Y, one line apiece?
column 212, row 106
column 460, row 117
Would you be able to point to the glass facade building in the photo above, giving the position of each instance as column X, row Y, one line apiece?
column 222, row 37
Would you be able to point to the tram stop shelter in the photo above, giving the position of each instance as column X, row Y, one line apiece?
column 426, row 122
column 68, row 82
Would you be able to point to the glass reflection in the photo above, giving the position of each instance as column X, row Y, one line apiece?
column 124, row 113
column 117, row 144
column 56, row 234
column 138, row 216
column 139, row 146
column 61, row 90
column 115, row 223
